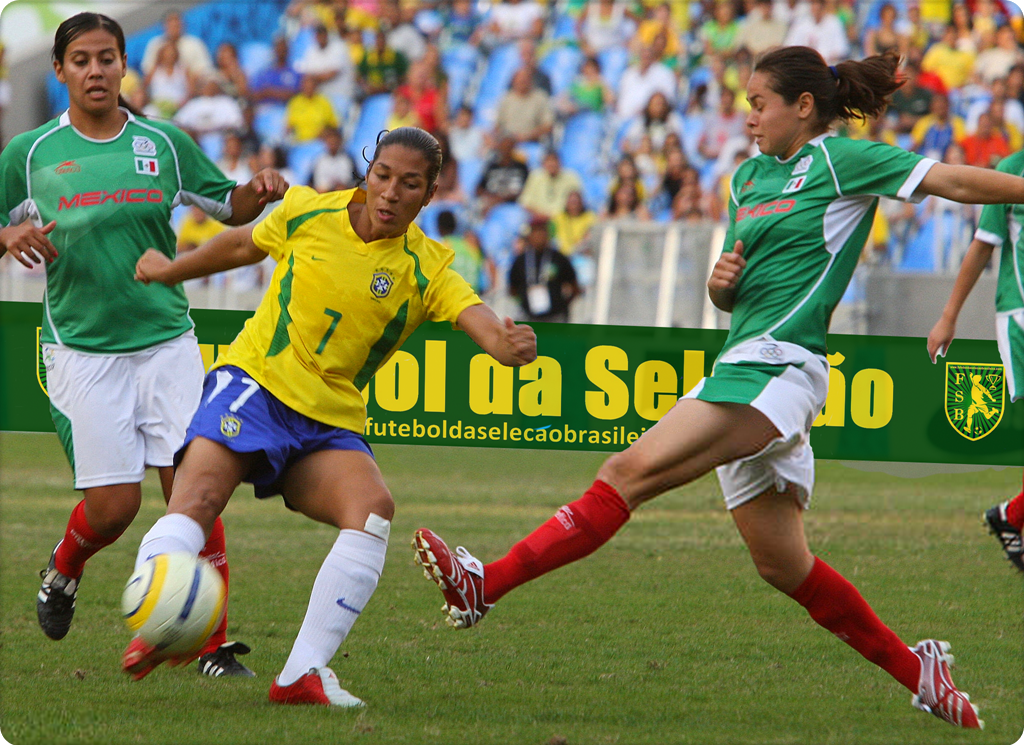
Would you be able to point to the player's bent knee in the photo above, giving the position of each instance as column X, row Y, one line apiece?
column 624, row 470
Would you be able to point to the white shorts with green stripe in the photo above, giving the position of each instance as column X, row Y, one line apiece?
column 118, row 413
column 786, row 383
column 1010, row 338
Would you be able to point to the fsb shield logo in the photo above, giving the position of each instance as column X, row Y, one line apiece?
column 975, row 397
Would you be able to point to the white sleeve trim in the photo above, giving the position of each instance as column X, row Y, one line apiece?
column 908, row 191
column 218, row 210
column 986, row 237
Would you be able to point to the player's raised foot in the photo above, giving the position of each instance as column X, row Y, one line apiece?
column 460, row 577
column 55, row 603
column 140, row 659
column 936, row 693
column 319, row 687
column 221, row 662
column 1008, row 535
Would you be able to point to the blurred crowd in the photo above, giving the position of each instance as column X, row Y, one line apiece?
column 570, row 113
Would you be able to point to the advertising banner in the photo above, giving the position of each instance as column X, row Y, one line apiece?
column 600, row 387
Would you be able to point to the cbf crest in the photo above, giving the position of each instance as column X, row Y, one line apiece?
column 381, row 283
column 230, row 425
column 975, row 397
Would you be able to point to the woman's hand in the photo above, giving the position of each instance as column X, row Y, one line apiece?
column 520, row 343
column 725, row 276
column 269, row 185
column 29, row 244
column 152, row 266
column 509, row 343
column 940, row 338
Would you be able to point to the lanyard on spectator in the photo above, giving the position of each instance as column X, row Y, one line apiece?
column 539, row 270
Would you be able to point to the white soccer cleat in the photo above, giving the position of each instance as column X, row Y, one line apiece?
column 936, row 693
column 460, row 576
column 319, row 687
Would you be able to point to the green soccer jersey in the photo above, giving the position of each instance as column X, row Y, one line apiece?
column 112, row 199
column 1000, row 226
column 803, row 223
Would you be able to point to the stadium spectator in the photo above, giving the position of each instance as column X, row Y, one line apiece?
column 465, row 137
column 885, row 37
column 382, row 69
column 192, row 50
column 470, row 263
column 986, row 146
column 168, row 84
column 210, row 112
column 995, row 62
column 953, row 65
column 676, row 170
column 935, row 132
column 308, row 112
column 721, row 126
column 512, row 20
column 528, row 59
column 574, row 225
column 525, row 113
column 429, row 103
column 278, row 82
column 760, row 30
column 626, row 202
column 463, row 23
column 548, row 187
column 659, row 30
column 718, row 34
column 328, row 62
column 232, row 78
column 402, row 35
column 1012, row 131
column 821, row 31
column 233, row 162
column 503, row 178
column 626, row 172
column 449, row 187
column 196, row 229
column 1010, row 110
column 961, row 21
column 541, row 278
column 604, row 24
column 333, row 169
column 588, row 91
column 691, row 199
column 912, row 100
column 402, row 113
column 641, row 81
column 655, row 121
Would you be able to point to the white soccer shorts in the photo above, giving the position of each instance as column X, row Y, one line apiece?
column 118, row 413
column 1010, row 338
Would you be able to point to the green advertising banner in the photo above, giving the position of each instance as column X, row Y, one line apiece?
column 600, row 387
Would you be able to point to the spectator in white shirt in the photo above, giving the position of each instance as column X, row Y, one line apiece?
column 213, row 111
column 641, row 81
column 512, row 20
column 191, row 49
column 333, row 170
column 820, row 31
column 328, row 62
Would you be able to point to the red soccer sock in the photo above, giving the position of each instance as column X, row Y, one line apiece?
column 1015, row 511
column 835, row 604
column 214, row 552
column 79, row 544
column 577, row 530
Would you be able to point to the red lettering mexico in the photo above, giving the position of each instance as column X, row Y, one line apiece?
column 768, row 208
column 120, row 196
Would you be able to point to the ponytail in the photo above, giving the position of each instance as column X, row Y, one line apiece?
column 849, row 90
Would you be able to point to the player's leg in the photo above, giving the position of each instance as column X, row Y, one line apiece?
column 772, row 526
column 343, row 488
column 92, row 405
column 1006, row 520
column 690, row 440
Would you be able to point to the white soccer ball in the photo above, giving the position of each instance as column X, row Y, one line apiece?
column 174, row 602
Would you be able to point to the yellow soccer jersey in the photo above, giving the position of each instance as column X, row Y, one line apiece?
column 338, row 308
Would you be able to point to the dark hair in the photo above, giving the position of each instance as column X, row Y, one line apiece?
column 445, row 222
column 849, row 90
column 416, row 139
column 82, row 23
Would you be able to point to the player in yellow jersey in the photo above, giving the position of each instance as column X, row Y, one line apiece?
column 282, row 408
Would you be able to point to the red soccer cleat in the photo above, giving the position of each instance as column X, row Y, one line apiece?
column 319, row 687
column 936, row 693
column 460, row 577
column 139, row 659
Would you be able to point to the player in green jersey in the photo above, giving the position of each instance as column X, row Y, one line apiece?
column 799, row 216
column 283, row 408
column 87, row 193
column 1000, row 225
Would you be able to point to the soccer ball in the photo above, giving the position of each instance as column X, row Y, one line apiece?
column 174, row 602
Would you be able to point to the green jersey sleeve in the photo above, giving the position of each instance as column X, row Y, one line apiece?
column 861, row 168
column 202, row 182
column 14, row 202
column 992, row 226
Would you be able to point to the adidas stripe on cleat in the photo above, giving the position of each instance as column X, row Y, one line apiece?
column 936, row 693
column 55, row 601
column 460, row 577
column 318, row 687
column 221, row 662
column 1008, row 535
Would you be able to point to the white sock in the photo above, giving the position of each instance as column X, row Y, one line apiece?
column 171, row 533
column 342, row 589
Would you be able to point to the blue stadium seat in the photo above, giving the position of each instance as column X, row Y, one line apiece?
column 564, row 28
column 270, row 123
column 614, row 61
column 532, row 152
column 427, row 219
column 561, row 65
column 255, row 57
column 57, row 95
column 212, row 145
column 581, row 142
column 299, row 44
column 460, row 63
column 501, row 66
column 595, row 190
column 919, row 254
column 301, row 158
column 470, row 171
column 372, row 119
column 498, row 232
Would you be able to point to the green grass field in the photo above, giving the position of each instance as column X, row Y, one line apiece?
column 666, row 635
